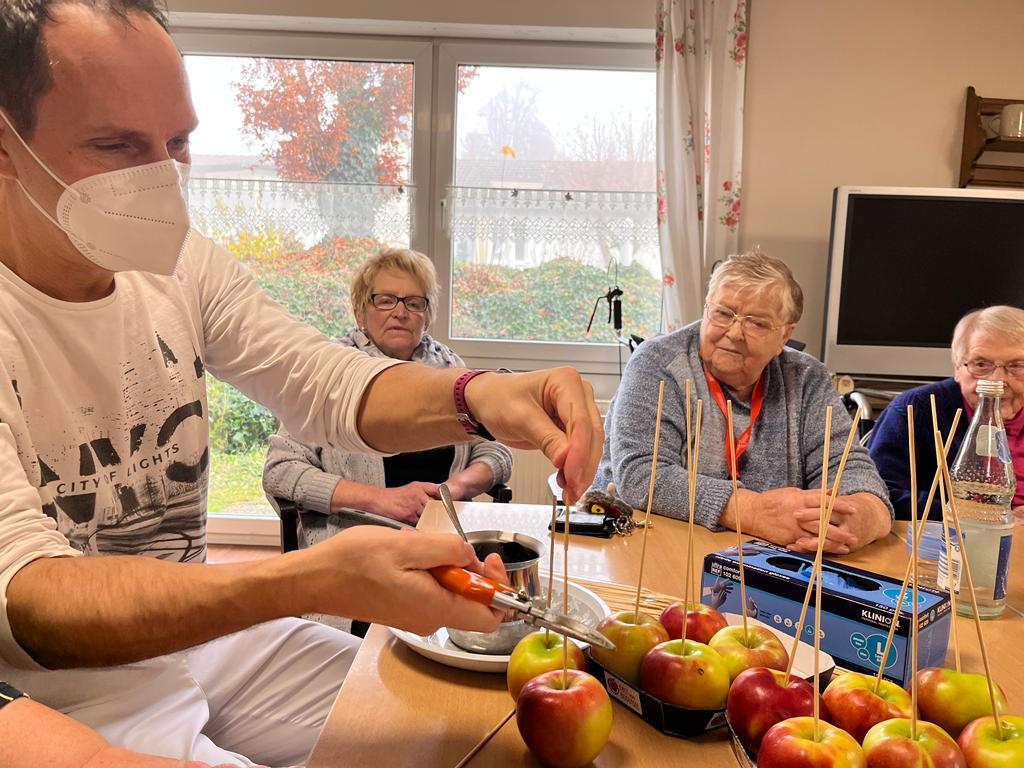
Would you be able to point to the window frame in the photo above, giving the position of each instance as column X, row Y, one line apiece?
column 592, row 359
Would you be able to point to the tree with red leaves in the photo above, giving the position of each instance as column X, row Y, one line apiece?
column 342, row 121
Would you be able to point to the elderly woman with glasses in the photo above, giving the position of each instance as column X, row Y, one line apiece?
column 987, row 344
column 737, row 353
column 393, row 298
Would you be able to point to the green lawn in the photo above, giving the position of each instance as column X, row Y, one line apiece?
column 236, row 479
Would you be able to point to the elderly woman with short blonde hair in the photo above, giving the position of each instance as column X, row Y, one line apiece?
column 394, row 295
column 987, row 344
column 737, row 352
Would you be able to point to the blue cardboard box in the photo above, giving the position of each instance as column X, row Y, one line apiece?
column 856, row 607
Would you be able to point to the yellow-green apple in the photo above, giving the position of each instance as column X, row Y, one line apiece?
column 539, row 652
column 564, row 718
column 983, row 748
column 888, row 745
column 791, row 744
column 760, row 697
column 759, row 647
column 633, row 638
column 854, row 706
column 694, row 676
column 952, row 699
column 702, row 621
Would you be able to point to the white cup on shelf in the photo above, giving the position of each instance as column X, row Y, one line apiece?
column 1009, row 123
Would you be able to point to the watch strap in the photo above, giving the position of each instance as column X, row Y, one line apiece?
column 462, row 412
column 8, row 693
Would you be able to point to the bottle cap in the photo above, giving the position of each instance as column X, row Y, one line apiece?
column 989, row 388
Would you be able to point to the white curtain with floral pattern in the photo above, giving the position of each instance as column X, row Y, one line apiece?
column 701, row 48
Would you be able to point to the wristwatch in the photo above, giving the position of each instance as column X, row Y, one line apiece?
column 462, row 412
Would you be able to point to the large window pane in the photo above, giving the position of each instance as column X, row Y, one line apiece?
column 553, row 203
column 301, row 169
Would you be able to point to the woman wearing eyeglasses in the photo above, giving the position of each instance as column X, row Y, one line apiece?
column 393, row 298
column 987, row 344
column 737, row 352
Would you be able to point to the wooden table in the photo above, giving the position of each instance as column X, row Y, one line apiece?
column 397, row 708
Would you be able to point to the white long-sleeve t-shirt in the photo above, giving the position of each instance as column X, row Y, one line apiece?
column 103, row 416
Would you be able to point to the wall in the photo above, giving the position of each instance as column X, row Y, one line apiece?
column 635, row 14
column 860, row 92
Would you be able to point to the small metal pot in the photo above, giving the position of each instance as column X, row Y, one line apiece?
column 521, row 555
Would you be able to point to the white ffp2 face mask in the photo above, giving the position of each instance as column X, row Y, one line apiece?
column 132, row 219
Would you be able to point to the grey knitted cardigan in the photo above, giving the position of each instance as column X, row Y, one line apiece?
column 785, row 446
column 307, row 473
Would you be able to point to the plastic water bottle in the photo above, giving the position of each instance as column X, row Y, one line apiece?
column 983, row 488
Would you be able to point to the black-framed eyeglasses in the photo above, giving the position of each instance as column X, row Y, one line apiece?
column 723, row 317
column 416, row 304
column 982, row 367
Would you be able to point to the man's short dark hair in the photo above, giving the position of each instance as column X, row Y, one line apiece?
column 24, row 63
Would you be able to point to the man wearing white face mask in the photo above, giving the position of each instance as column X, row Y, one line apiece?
column 111, row 312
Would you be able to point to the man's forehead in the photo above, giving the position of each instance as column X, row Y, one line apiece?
column 103, row 54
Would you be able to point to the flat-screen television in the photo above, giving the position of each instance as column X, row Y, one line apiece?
column 906, row 263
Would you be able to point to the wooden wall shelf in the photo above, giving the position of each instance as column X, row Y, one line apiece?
column 976, row 170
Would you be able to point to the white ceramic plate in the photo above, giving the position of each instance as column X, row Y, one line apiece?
column 584, row 606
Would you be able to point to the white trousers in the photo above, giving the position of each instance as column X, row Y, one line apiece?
column 259, row 696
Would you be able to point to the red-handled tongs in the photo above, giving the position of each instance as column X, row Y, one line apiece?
column 486, row 591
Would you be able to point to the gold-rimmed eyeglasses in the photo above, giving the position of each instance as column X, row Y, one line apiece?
column 980, row 368
column 752, row 325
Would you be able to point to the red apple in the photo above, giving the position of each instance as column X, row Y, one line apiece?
column 791, row 744
column 702, row 621
column 760, row 697
column 952, row 699
column 758, row 648
column 632, row 638
column 692, row 677
column 536, row 653
column 983, row 748
column 854, row 706
column 888, row 745
column 564, row 718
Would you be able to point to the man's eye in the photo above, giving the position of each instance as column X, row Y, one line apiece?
column 115, row 147
column 761, row 325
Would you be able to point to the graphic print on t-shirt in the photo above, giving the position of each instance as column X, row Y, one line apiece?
column 133, row 481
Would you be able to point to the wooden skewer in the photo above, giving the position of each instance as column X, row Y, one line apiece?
column 650, row 500
column 565, row 565
column 551, row 560
column 970, row 588
column 915, row 531
column 689, row 530
column 913, row 568
column 945, row 531
column 821, row 541
column 483, row 742
column 693, row 491
column 822, row 528
column 733, row 469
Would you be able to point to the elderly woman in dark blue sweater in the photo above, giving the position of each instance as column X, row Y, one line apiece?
column 987, row 344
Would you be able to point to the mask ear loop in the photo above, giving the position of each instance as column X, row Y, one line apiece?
column 35, row 204
column 35, row 157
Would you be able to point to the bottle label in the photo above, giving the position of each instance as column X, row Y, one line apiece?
column 1003, row 447
column 987, row 442
column 1002, row 566
column 957, row 562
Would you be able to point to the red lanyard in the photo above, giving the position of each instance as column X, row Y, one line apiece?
column 755, row 408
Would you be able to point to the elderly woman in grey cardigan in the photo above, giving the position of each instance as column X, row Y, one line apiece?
column 393, row 297
column 737, row 353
